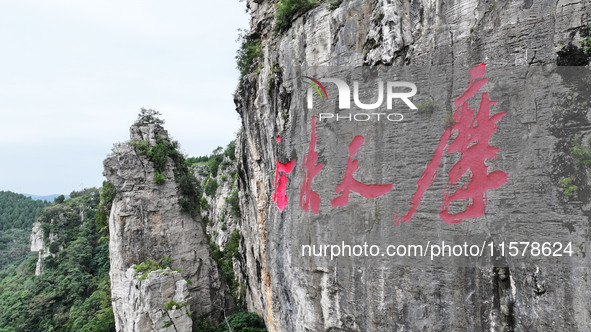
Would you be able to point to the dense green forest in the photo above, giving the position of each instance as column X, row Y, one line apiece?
column 72, row 293
column 17, row 214
column 18, row 211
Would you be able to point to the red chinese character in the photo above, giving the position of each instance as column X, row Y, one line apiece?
column 281, row 181
column 425, row 180
column 472, row 142
column 310, row 199
column 350, row 184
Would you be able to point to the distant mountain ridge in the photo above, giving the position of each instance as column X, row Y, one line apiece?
column 49, row 198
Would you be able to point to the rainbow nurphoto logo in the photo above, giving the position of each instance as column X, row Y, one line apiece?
column 316, row 88
column 344, row 99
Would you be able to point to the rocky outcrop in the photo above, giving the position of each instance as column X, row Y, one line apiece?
column 49, row 233
column 159, row 302
column 148, row 222
column 36, row 237
column 38, row 245
column 524, row 40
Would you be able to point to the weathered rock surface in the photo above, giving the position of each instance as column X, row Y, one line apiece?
column 294, row 293
column 146, row 309
column 37, row 245
column 146, row 222
column 36, row 237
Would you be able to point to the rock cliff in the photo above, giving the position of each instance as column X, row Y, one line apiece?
column 157, row 303
column 154, row 220
column 520, row 41
column 37, row 245
column 541, row 129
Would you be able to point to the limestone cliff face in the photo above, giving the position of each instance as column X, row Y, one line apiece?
column 37, row 245
column 355, row 294
column 147, row 222
column 157, row 303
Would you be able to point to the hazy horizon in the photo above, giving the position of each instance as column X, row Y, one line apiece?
column 75, row 75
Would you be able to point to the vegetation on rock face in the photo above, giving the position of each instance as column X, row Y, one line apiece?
column 234, row 202
column 215, row 161
column 249, row 52
column 188, row 186
column 243, row 321
column 568, row 187
column 142, row 270
column 190, row 191
column 174, row 305
column 64, row 219
column 334, row 4
column 448, row 120
column 571, row 166
column 224, row 259
column 104, row 208
column 287, row 10
column 581, row 155
column 240, row 321
column 586, row 45
column 158, row 154
column 427, row 106
column 211, row 185
column 72, row 293
column 159, row 178
column 581, row 158
column 218, row 170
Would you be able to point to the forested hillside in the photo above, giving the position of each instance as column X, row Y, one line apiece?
column 17, row 214
column 72, row 293
column 18, row 211
column 72, row 289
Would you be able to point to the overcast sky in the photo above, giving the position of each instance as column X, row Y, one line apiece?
column 74, row 74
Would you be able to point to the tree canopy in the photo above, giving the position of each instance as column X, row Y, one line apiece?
column 72, row 293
